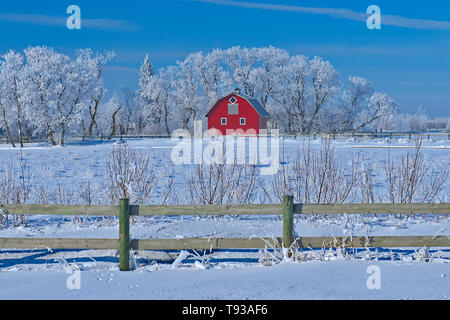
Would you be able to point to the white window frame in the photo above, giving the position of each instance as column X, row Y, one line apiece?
column 235, row 100
column 222, row 123
column 240, row 121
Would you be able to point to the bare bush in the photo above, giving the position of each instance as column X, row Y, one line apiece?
column 315, row 176
column 365, row 181
column 41, row 195
column 130, row 175
column 86, row 193
column 64, row 195
column 15, row 188
column 6, row 183
column 410, row 180
column 167, row 195
column 221, row 183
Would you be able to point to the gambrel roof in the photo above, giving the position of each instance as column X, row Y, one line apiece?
column 253, row 102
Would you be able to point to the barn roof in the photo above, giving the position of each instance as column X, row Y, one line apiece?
column 253, row 102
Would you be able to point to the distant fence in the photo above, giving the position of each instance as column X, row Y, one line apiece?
column 334, row 136
column 287, row 209
column 344, row 135
column 384, row 135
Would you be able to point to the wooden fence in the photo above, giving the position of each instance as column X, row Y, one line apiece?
column 287, row 209
column 334, row 136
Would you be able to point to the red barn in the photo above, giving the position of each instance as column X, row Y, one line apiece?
column 237, row 111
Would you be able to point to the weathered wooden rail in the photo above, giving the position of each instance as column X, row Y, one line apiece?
column 287, row 209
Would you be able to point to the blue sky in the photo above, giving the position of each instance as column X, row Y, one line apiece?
column 409, row 58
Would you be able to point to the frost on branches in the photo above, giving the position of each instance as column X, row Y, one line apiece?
column 302, row 94
column 48, row 95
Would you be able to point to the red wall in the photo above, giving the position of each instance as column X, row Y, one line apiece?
column 245, row 111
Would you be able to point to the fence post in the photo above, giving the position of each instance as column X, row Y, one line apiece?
column 288, row 220
column 124, row 234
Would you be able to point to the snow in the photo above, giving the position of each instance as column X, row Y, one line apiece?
column 222, row 274
column 79, row 163
column 312, row 280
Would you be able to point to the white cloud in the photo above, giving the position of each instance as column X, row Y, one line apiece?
column 122, row 69
column 347, row 14
column 38, row 19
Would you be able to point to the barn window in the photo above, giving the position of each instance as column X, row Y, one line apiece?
column 233, row 109
column 233, row 100
column 242, row 121
column 223, row 121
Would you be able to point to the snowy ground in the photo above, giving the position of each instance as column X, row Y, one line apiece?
column 71, row 167
column 311, row 280
column 222, row 274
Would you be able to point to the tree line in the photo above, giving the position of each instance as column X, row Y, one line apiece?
column 49, row 95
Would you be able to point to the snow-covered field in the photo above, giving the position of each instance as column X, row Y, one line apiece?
column 310, row 280
column 222, row 274
column 73, row 166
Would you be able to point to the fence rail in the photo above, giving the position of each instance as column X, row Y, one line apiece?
column 246, row 209
column 339, row 135
column 287, row 209
column 226, row 243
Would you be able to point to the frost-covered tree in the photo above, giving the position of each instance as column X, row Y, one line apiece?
column 302, row 94
column 270, row 61
column 325, row 84
column 58, row 90
column 354, row 100
column 109, row 115
column 290, row 94
column 11, row 94
column 98, row 63
column 48, row 94
column 42, row 88
column 379, row 112
column 241, row 62
column 157, row 96
column 190, row 103
column 304, row 87
column 54, row 95
column 131, row 113
column 212, row 77
column 419, row 121
column 6, row 118
column 145, row 73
